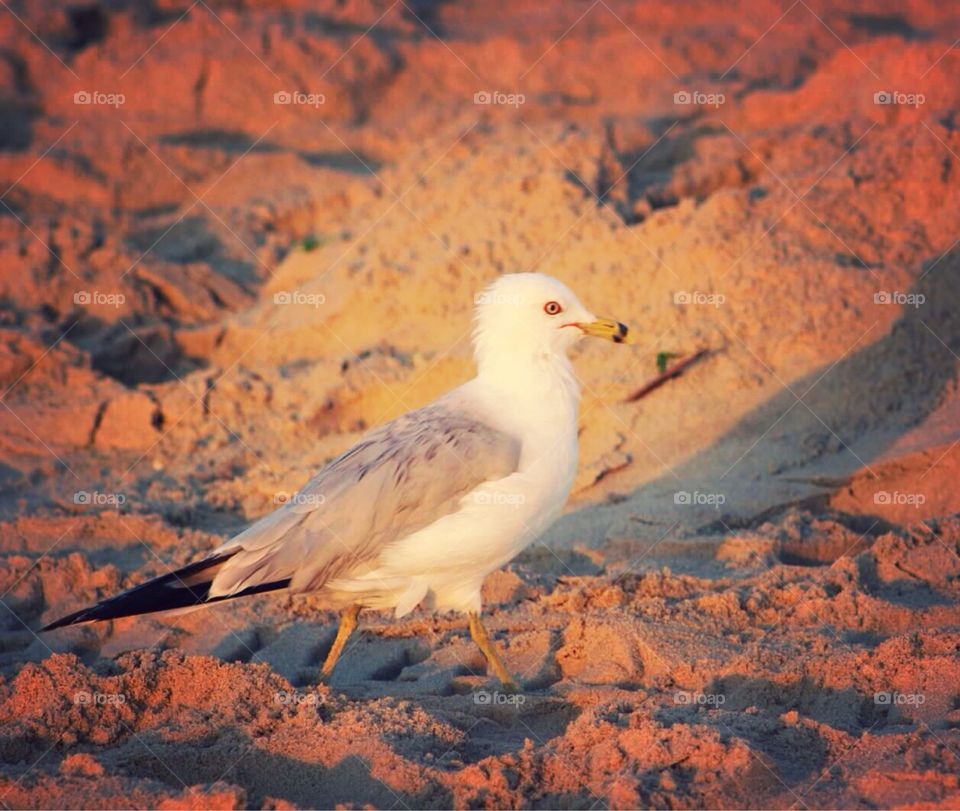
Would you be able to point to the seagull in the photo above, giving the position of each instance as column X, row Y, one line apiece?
column 424, row 507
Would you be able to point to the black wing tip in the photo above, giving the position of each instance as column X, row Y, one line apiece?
column 70, row 619
column 165, row 593
column 151, row 596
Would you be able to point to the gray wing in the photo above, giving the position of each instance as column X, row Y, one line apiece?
column 400, row 478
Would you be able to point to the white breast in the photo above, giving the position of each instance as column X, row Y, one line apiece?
column 447, row 561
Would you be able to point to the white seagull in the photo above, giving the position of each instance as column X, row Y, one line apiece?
column 424, row 507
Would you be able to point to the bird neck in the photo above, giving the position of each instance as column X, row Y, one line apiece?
column 538, row 382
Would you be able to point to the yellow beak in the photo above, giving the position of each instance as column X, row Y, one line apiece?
column 607, row 328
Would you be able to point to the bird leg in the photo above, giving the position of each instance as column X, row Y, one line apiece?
column 479, row 635
column 348, row 623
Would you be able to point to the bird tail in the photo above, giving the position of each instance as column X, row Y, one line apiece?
column 185, row 588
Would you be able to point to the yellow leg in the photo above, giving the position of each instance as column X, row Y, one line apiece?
column 348, row 623
column 479, row 635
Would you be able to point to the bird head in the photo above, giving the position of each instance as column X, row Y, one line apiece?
column 532, row 314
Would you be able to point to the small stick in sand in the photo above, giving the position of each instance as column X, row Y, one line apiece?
column 675, row 371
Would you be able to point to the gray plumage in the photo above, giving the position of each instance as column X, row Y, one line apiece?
column 396, row 480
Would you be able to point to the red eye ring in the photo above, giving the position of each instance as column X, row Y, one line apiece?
column 552, row 308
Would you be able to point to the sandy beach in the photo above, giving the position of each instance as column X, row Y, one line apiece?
column 235, row 236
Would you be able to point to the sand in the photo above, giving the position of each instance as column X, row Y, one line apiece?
column 752, row 599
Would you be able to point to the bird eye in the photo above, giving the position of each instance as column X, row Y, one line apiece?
column 552, row 308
